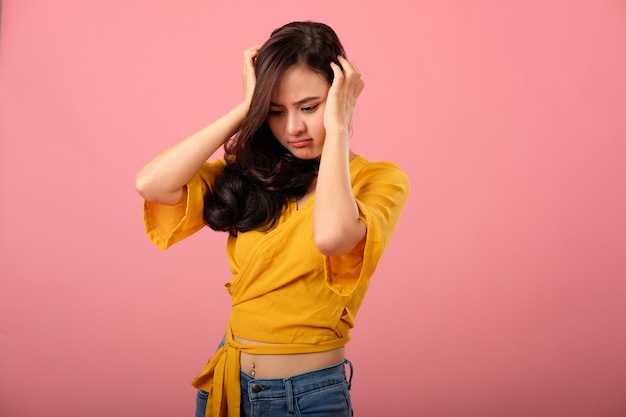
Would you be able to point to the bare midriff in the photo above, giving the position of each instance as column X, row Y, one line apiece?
column 282, row 366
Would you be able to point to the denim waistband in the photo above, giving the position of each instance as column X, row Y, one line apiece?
column 297, row 384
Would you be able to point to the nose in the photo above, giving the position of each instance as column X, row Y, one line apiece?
column 295, row 124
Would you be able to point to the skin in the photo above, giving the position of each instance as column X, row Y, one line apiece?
column 296, row 115
column 318, row 126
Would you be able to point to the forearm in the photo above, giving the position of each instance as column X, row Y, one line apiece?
column 163, row 178
column 336, row 225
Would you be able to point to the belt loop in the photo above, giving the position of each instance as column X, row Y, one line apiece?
column 351, row 372
column 289, row 395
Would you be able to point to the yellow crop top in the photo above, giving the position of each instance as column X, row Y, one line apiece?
column 308, row 301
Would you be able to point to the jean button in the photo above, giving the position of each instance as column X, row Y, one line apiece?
column 256, row 388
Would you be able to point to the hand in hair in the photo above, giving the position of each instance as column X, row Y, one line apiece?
column 249, row 74
column 163, row 178
column 344, row 91
column 337, row 228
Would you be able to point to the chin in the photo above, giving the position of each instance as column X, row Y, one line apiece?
column 306, row 155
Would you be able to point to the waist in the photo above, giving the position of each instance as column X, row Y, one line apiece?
column 282, row 366
column 296, row 385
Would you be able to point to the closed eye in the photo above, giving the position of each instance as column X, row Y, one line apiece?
column 309, row 109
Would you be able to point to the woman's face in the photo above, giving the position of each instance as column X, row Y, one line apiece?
column 296, row 114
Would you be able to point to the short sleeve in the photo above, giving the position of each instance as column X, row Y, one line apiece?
column 381, row 190
column 166, row 225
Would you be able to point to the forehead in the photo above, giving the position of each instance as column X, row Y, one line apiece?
column 298, row 82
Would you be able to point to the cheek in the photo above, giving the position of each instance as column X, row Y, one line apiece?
column 320, row 119
column 319, row 124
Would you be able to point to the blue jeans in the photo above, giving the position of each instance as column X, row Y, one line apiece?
column 323, row 392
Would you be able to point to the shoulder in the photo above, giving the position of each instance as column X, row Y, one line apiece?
column 364, row 171
column 205, row 178
column 215, row 165
column 212, row 169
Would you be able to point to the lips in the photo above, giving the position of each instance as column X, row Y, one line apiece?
column 300, row 143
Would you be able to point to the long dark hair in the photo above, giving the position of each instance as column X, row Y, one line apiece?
column 261, row 176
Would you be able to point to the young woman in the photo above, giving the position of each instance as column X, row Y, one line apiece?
column 308, row 221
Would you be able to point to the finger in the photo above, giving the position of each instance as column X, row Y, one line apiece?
column 251, row 53
column 337, row 72
column 253, row 49
column 359, row 88
column 348, row 66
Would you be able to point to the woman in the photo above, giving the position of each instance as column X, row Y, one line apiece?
column 307, row 218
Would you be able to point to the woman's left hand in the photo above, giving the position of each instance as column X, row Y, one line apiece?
column 344, row 91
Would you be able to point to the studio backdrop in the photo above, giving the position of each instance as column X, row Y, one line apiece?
column 502, row 291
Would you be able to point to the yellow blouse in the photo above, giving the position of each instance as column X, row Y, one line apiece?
column 285, row 293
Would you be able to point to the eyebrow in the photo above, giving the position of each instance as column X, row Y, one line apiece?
column 299, row 102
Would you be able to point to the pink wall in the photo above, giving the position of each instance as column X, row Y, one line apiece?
column 502, row 294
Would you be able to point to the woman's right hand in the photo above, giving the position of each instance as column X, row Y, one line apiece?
column 249, row 73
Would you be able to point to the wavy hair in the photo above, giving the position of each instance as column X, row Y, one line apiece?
column 261, row 176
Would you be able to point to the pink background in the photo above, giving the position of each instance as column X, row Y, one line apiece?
column 503, row 292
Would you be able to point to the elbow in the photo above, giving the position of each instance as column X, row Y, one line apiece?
column 329, row 246
column 339, row 242
column 149, row 189
column 142, row 186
